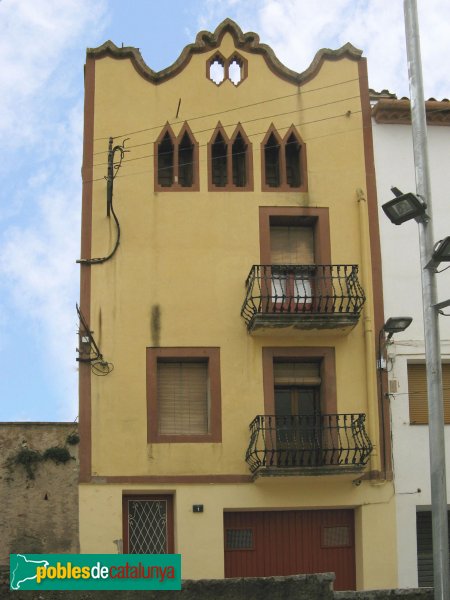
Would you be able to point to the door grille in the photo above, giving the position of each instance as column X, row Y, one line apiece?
column 147, row 526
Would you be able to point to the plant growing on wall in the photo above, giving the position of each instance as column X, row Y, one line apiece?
column 73, row 438
column 29, row 459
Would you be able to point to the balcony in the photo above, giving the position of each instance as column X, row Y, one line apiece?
column 302, row 297
column 308, row 444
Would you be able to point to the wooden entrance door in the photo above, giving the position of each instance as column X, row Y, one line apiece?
column 270, row 543
column 299, row 435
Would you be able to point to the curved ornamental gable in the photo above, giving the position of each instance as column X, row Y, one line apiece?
column 206, row 41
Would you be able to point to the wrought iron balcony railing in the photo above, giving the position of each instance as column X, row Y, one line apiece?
column 302, row 291
column 308, row 441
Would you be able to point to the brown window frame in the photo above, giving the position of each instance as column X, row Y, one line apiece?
column 229, row 141
column 318, row 218
column 416, row 420
column 212, row 355
column 303, row 167
column 324, row 355
column 176, row 141
column 170, row 519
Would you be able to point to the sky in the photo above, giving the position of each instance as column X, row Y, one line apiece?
column 42, row 53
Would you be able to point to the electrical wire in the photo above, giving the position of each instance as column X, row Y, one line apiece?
column 101, row 368
column 296, row 110
column 99, row 261
column 381, row 397
column 234, row 125
column 203, row 116
column 444, row 389
column 249, row 135
column 256, row 149
column 98, row 365
column 103, row 259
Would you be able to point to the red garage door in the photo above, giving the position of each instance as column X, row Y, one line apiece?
column 262, row 544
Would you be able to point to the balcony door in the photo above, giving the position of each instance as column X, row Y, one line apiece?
column 292, row 259
column 297, row 413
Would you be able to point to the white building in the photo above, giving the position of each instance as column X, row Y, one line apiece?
column 402, row 297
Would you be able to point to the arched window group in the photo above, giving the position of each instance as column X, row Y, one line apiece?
column 283, row 161
column 230, row 161
column 176, row 160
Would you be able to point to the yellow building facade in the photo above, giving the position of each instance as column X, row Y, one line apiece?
column 230, row 304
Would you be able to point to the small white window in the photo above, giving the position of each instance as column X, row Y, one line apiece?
column 235, row 71
column 217, row 70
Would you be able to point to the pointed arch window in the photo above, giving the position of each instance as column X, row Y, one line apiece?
column 272, row 161
column 165, row 161
column 283, row 162
column 219, row 161
column 239, row 161
column 292, row 151
column 230, row 161
column 186, row 161
column 176, row 160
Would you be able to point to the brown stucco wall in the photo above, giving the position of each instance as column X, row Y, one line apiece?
column 37, row 515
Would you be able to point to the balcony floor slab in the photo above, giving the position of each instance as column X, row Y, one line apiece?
column 326, row 470
column 338, row 324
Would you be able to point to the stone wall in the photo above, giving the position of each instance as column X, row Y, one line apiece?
column 299, row 587
column 408, row 594
column 39, row 508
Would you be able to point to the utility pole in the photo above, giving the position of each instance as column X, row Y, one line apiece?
column 430, row 312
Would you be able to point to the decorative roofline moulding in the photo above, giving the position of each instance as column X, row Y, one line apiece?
column 206, row 41
column 398, row 112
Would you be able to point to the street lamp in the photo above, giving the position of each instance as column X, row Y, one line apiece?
column 404, row 207
column 392, row 325
column 441, row 252
column 396, row 325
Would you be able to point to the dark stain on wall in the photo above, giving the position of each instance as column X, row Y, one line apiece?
column 155, row 325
